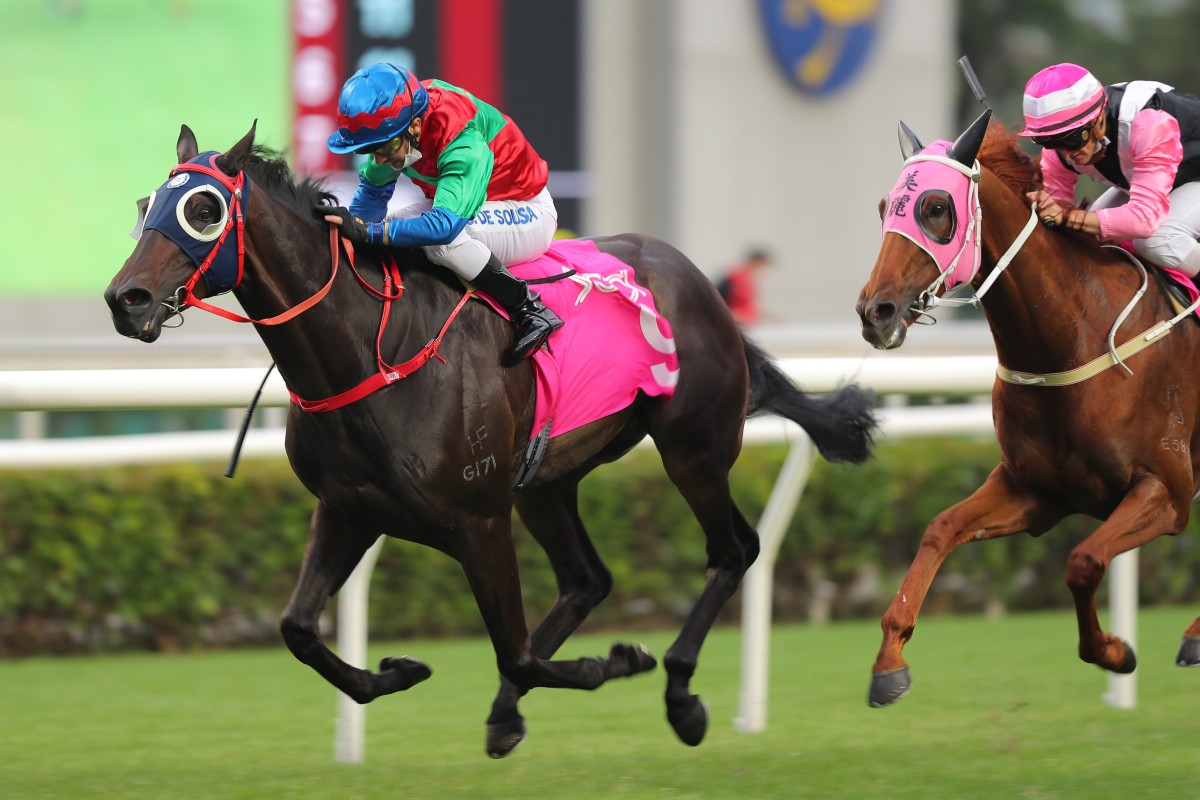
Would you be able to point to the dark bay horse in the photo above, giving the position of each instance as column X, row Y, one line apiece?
column 1088, row 422
column 392, row 463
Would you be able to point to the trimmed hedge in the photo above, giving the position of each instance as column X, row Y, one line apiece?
column 177, row 556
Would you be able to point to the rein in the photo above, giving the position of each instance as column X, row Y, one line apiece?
column 387, row 373
column 190, row 300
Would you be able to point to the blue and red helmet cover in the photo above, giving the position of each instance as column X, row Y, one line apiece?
column 377, row 104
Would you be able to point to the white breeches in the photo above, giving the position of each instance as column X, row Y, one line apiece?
column 515, row 230
column 1174, row 243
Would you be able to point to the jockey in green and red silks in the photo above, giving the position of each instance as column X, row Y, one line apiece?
column 486, row 202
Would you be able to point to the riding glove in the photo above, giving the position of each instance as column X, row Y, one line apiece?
column 351, row 226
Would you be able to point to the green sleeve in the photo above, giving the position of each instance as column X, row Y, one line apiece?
column 464, row 171
column 377, row 174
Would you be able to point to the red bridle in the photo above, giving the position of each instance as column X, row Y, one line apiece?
column 393, row 289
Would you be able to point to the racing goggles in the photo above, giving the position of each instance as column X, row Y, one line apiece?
column 386, row 149
column 1068, row 140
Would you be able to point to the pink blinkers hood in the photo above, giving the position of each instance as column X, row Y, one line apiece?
column 948, row 167
column 922, row 174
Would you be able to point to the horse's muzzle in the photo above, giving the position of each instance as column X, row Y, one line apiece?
column 134, row 312
column 883, row 326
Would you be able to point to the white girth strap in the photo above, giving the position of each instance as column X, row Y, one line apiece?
column 1115, row 355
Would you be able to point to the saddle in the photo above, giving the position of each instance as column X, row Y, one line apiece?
column 1175, row 290
column 1179, row 289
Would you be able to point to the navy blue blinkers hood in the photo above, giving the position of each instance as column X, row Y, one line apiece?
column 221, row 266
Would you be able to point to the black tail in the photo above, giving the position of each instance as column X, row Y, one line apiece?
column 841, row 424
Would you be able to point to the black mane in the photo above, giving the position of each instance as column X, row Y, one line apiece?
column 270, row 170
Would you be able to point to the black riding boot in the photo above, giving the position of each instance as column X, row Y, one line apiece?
column 534, row 321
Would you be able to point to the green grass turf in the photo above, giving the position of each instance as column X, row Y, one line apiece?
column 999, row 709
column 92, row 104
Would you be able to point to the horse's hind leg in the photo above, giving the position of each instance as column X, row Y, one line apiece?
column 551, row 513
column 732, row 545
column 1144, row 514
column 334, row 549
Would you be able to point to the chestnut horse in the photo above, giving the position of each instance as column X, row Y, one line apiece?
column 391, row 463
column 1087, row 420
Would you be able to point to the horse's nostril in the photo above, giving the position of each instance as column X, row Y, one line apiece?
column 883, row 312
column 135, row 298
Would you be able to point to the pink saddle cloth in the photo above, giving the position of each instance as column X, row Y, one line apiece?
column 612, row 345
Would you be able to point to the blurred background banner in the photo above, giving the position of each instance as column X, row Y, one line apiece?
column 522, row 56
column 675, row 118
column 666, row 117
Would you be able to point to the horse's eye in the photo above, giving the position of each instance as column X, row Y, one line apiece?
column 936, row 216
column 206, row 214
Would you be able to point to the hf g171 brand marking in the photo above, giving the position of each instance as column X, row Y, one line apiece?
column 482, row 465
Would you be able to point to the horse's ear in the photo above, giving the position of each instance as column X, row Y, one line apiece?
column 186, row 148
column 234, row 159
column 966, row 146
column 909, row 143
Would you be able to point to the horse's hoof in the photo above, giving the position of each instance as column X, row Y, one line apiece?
column 691, row 723
column 1128, row 662
column 399, row 673
column 1189, row 652
column 888, row 687
column 505, row 737
column 625, row 660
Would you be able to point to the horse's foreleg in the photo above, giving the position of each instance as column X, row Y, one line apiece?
column 1189, row 648
column 334, row 549
column 552, row 517
column 1144, row 514
column 997, row 508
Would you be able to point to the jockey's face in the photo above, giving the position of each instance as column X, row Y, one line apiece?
column 1093, row 149
column 396, row 151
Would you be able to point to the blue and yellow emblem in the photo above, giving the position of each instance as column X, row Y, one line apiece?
column 821, row 44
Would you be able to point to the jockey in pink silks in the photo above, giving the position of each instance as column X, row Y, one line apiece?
column 1141, row 138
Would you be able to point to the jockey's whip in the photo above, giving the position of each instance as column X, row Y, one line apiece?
column 237, row 447
column 968, row 72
